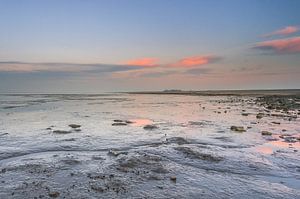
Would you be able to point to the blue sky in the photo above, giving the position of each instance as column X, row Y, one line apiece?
column 116, row 45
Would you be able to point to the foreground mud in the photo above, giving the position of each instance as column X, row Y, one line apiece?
column 142, row 146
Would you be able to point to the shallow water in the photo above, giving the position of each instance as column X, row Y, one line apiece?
column 112, row 155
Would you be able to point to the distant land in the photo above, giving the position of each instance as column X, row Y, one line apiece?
column 224, row 92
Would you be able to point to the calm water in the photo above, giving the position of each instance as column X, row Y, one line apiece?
column 192, row 142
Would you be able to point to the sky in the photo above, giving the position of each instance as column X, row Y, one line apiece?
column 94, row 46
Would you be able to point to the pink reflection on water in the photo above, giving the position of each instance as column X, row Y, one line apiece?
column 140, row 122
column 264, row 150
column 278, row 144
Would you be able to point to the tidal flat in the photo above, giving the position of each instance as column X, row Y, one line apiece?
column 173, row 144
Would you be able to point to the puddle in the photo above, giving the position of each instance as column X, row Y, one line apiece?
column 278, row 144
column 140, row 122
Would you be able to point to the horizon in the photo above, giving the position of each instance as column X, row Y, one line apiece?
column 171, row 91
column 130, row 46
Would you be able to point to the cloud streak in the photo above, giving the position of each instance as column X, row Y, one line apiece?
column 284, row 31
column 194, row 61
column 143, row 62
column 27, row 67
column 280, row 46
column 144, row 67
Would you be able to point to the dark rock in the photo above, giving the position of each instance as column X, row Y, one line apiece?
column 119, row 124
column 239, row 129
column 275, row 123
column 266, row 133
column 62, row 132
column 74, row 126
column 54, row 194
column 118, row 121
column 173, row 178
column 150, row 127
column 259, row 115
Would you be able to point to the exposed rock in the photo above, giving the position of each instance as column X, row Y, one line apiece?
column 119, row 124
column 245, row 114
column 74, row 126
column 291, row 139
column 237, row 129
column 54, row 194
column 275, row 123
column 62, row 132
column 259, row 115
column 118, row 121
column 116, row 153
column 173, row 178
column 150, row 127
column 266, row 133
column 279, row 102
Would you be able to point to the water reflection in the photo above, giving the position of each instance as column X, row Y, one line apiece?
column 140, row 122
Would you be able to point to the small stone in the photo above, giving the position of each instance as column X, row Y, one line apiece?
column 237, row 129
column 117, row 121
column 266, row 133
column 74, row 126
column 129, row 122
column 61, row 132
column 259, row 115
column 275, row 123
column 150, row 127
column 119, row 124
column 116, row 153
column 54, row 194
column 173, row 178
column 245, row 114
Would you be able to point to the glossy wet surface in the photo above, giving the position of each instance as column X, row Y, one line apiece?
column 146, row 146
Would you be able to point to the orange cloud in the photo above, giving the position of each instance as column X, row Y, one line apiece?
column 285, row 31
column 195, row 61
column 143, row 62
column 280, row 46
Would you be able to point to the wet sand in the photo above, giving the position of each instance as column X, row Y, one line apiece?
column 242, row 144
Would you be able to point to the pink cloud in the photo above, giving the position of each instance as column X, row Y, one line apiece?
column 280, row 46
column 195, row 61
column 285, row 31
column 143, row 62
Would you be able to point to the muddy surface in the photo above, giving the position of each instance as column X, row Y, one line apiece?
column 150, row 146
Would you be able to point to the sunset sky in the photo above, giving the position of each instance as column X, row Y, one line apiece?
column 92, row 46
